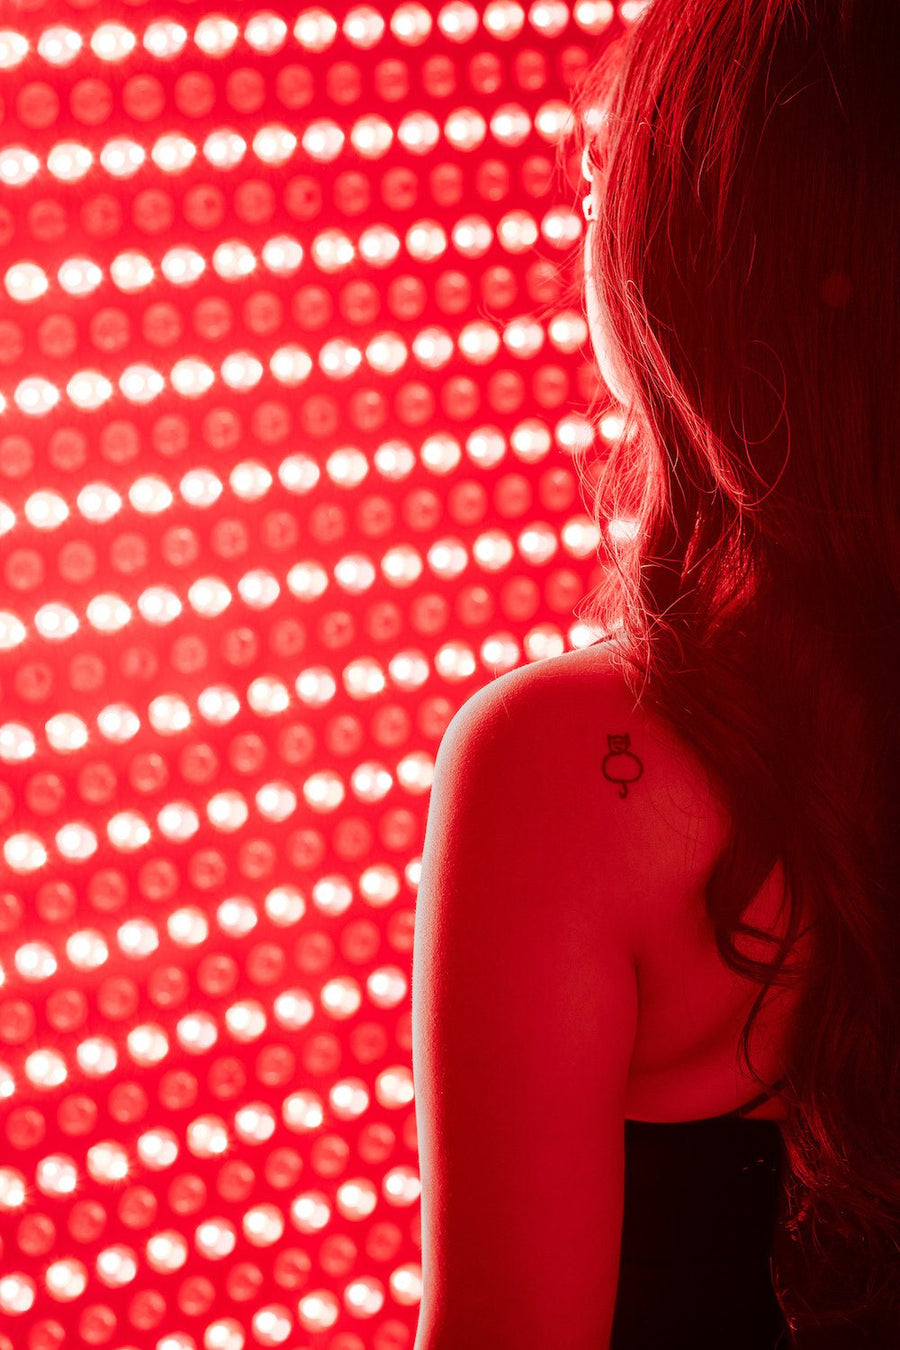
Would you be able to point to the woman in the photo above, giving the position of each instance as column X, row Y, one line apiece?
column 656, row 1016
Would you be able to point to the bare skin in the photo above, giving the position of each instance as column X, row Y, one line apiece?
column 691, row 1006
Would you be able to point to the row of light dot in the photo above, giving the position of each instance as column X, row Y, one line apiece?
column 315, row 30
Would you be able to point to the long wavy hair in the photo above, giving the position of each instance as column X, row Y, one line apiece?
column 744, row 252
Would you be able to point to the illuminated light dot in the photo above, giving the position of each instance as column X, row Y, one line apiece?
column 173, row 153
column 290, row 365
column 97, row 1056
column 26, row 282
column 285, row 906
column 318, row 1310
column 36, row 396
column 166, row 1251
column 201, row 487
column 7, row 1083
column 79, row 276
column 409, row 671
column 332, row 250
column 87, row 949
column 517, row 232
column 580, row 537
column 46, row 1068
column 233, row 260
column 35, row 961
column 108, row 613
column 356, row 1198
column 574, row 433
column 169, row 714
column 215, row 1238
column 210, row 597
column 189, row 926
column 426, row 240
column 24, row 853
column 56, row 1174
column 241, row 370
column 276, row 801
column 412, row 24
column 341, row 998
column 549, row 17
column 419, row 133
column 127, row 830
column 7, row 516
column 593, row 16
column 612, row 426
column 538, row 543
column 76, row 841
column 150, row 495
column 224, row 148
column 523, row 337
column 510, row 124
column 302, row 1112
column 59, row 46
column 141, row 384
column 17, row 743
column 405, row 1284
column 272, row 1325
column 479, row 342
column 236, row 916
column 433, row 347
column 504, row 19
column 265, row 32
column 12, row 1189
column 274, row 143
column 112, row 42
column 121, row 158
column 147, row 1044
column 623, row 531
column 250, row 480
column 191, row 377
column 340, row 359
column 386, row 986
column 372, row 136
column 132, row 272
column 224, row 1334
column 259, row 589
column 371, row 781
column 228, row 811
column 116, row 1266
column 364, row 27
column 207, row 1137
column 178, row 821
column 182, row 266
column 401, row 1186
column 137, row 938
column 394, row 1086
column 472, row 236
column 107, row 1162
column 323, row 140
column 13, row 48
column 553, row 121
column 364, row 1297
column 119, row 723
column 164, row 38
column 458, row 21
column 310, row 1212
column 218, row 705
column 255, row 1123
column 215, row 35
column 17, row 165
column 263, row 1225
column 293, row 1009
column 315, row 29
column 89, row 389
column 349, row 1099
column 282, row 255
column 246, row 1020
column 69, row 161
column 158, row 605
column 454, row 662
column 157, row 1148
column 17, row 1293
column 465, row 128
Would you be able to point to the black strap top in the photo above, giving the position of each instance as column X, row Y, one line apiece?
column 701, row 1198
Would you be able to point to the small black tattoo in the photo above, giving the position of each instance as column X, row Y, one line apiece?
column 621, row 765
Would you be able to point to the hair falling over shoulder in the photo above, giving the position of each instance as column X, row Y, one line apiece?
column 744, row 243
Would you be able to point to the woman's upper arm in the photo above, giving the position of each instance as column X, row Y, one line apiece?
column 524, row 1016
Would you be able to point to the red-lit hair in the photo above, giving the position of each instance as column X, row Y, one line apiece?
column 745, row 248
